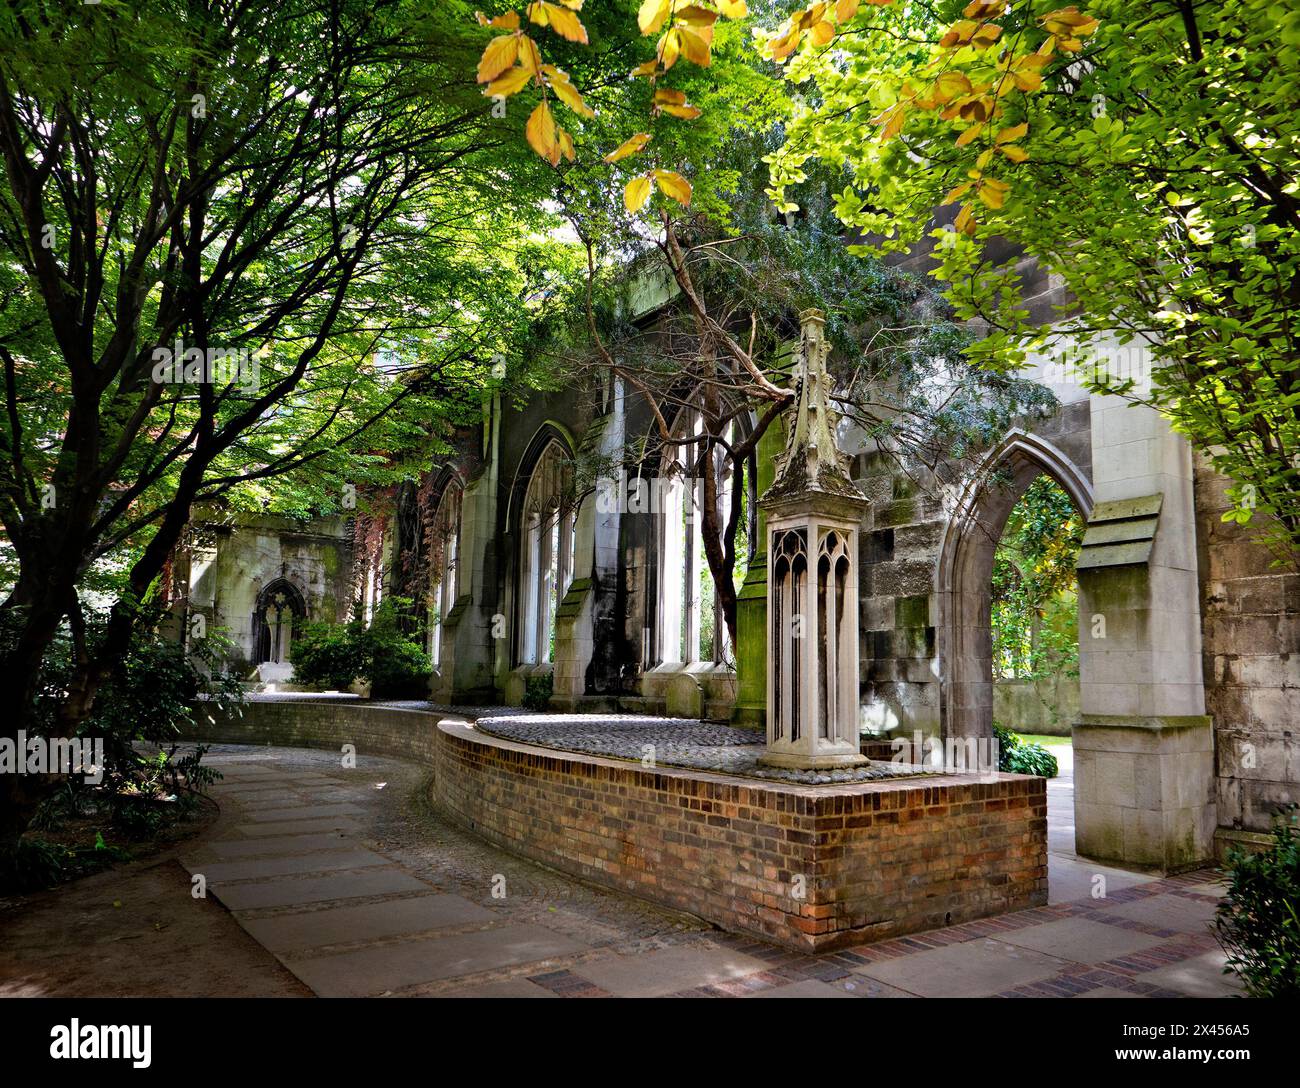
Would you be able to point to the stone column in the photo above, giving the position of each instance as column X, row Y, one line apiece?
column 813, row 511
column 751, row 601
column 1144, row 748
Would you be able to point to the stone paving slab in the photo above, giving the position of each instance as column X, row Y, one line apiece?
column 809, row 987
column 668, row 970
column 1081, row 940
column 1071, row 879
column 379, row 969
column 517, row 987
column 1174, row 912
column 292, row 892
column 288, row 865
column 302, row 827
column 970, row 969
column 1200, row 976
column 282, row 844
column 367, row 922
column 303, row 812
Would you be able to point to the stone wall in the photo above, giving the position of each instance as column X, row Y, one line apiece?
column 1251, row 654
column 876, row 859
column 1049, row 706
column 230, row 565
column 298, row 723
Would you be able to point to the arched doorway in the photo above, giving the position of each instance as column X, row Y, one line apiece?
column 980, row 513
column 279, row 610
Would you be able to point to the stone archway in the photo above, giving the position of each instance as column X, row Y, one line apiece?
column 280, row 608
column 965, row 568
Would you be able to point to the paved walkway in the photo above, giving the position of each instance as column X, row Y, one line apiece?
column 349, row 879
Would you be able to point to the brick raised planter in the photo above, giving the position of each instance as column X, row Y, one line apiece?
column 876, row 859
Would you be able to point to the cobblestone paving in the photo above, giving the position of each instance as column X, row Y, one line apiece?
column 429, row 909
column 671, row 742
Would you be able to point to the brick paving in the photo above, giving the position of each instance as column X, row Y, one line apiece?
column 432, row 910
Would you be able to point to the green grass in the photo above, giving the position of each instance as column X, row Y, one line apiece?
column 1046, row 742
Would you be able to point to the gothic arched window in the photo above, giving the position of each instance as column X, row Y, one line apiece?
column 277, row 613
column 546, row 532
column 444, row 585
column 691, row 626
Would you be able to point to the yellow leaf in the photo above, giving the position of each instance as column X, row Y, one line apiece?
column 560, row 19
column 970, row 134
column 845, row 10
column 697, row 16
column 823, row 33
column 675, row 186
column 951, row 84
column 646, row 69
column 733, row 9
column 984, row 9
column 499, row 55
column 670, row 48
column 629, row 147
column 1012, row 134
column 541, row 134
column 652, row 15
column 958, row 34
column 957, row 193
column 636, row 193
column 893, row 120
column 667, row 94
column 566, row 145
column 1014, row 152
column 1027, row 81
column 529, row 55
column 987, row 35
column 567, row 93
column 965, row 221
column 508, row 21
column 993, row 192
column 512, row 82
column 696, row 45
column 687, row 113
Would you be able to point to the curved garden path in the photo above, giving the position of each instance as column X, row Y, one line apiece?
column 353, row 886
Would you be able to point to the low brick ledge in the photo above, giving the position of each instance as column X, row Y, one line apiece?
column 873, row 860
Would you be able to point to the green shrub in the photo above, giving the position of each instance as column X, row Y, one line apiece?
column 327, row 655
column 1257, row 923
column 334, row 655
column 538, row 691
column 1018, row 756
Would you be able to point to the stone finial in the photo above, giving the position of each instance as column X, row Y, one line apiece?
column 812, row 460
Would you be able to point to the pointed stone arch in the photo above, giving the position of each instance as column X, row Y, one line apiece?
column 980, row 510
column 279, row 610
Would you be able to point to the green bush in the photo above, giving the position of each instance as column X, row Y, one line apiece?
column 327, row 655
column 139, row 711
column 1018, row 756
column 334, row 655
column 1256, row 923
column 538, row 691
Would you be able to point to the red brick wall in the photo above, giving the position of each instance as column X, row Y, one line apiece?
column 878, row 859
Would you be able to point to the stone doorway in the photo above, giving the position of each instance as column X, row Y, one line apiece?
column 966, row 566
